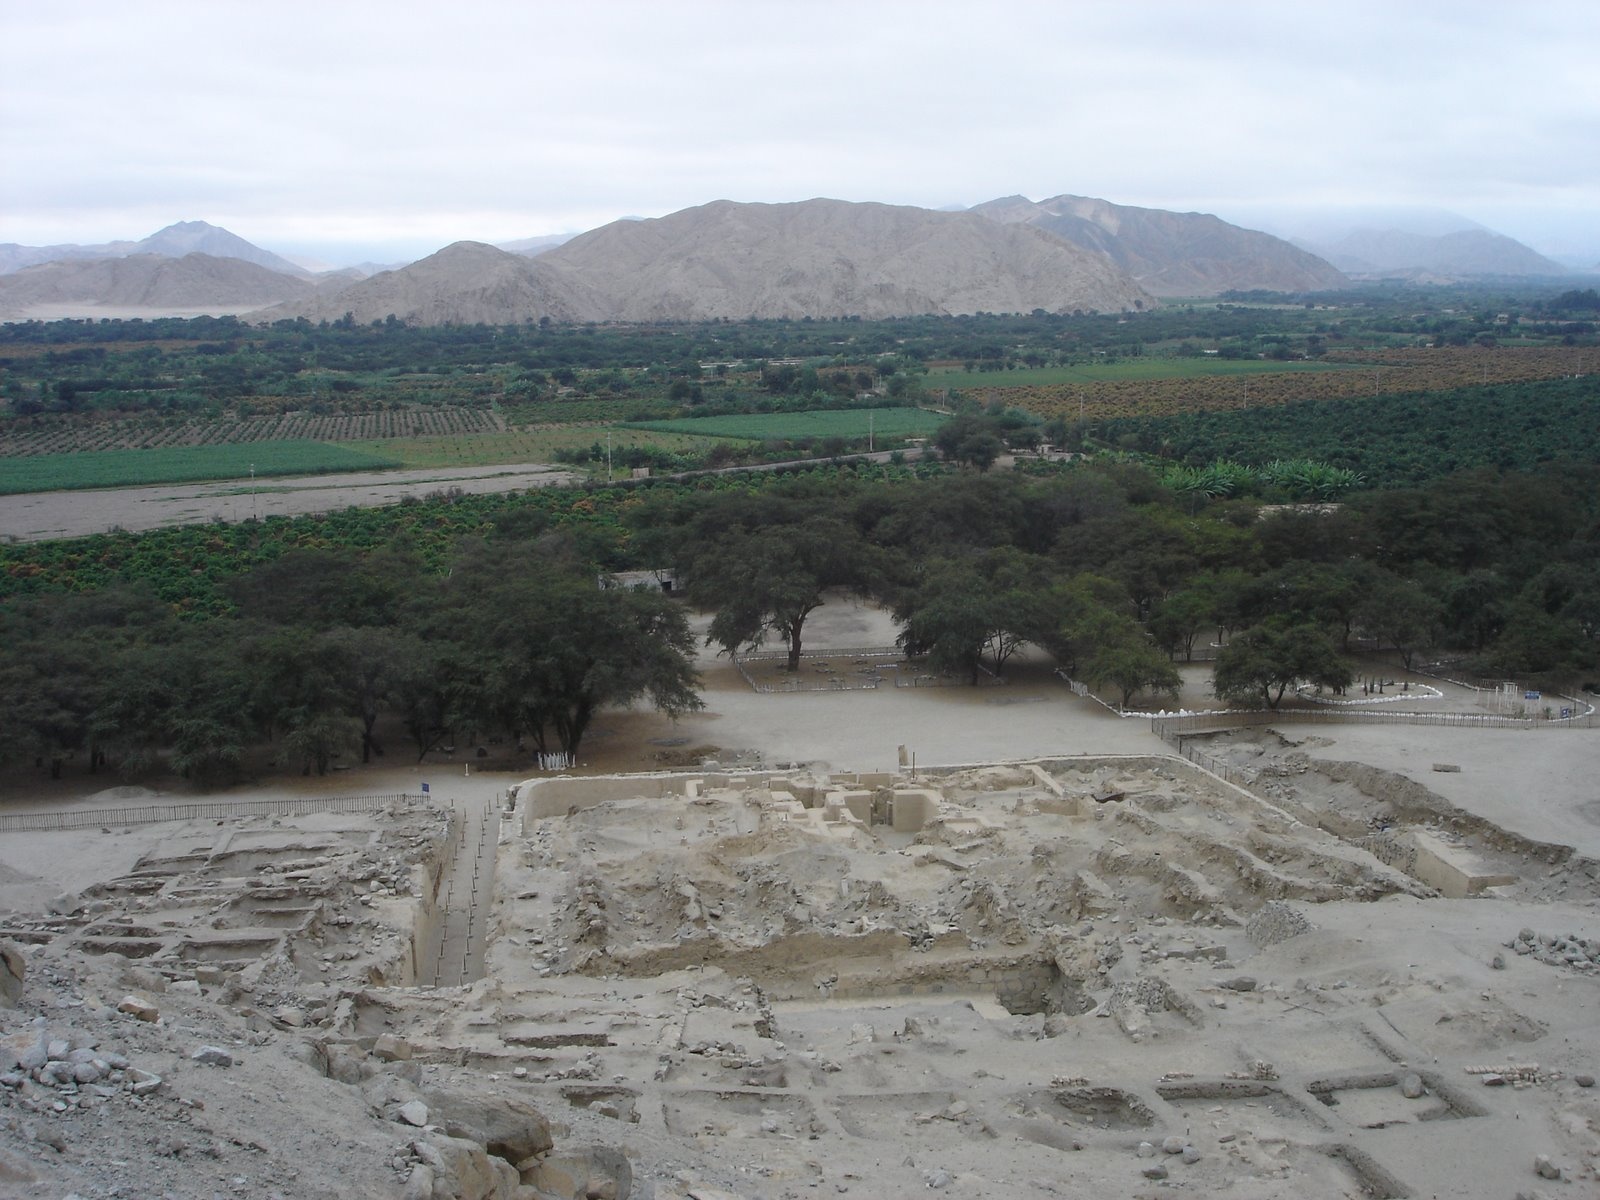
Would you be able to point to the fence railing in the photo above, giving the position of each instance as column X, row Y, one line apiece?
column 151, row 814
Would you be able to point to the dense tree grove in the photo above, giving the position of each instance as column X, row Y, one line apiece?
column 1458, row 516
column 482, row 616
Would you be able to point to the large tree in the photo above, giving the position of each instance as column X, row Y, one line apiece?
column 1264, row 661
column 962, row 609
column 540, row 655
column 771, row 578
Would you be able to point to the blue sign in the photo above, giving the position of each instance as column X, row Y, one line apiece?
column 424, row 789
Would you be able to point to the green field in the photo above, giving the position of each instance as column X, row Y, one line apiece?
column 182, row 464
column 772, row 427
column 1128, row 369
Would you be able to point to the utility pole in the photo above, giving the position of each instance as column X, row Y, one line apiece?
column 608, row 456
column 254, row 513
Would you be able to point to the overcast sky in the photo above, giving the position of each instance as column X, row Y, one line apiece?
column 352, row 130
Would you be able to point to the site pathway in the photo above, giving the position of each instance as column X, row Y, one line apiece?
column 455, row 956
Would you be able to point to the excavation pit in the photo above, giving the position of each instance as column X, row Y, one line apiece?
column 737, row 1114
column 1373, row 1100
column 869, row 1116
column 1229, row 1094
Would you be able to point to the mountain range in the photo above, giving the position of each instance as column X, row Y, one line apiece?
column 1173, row 254
column 175, row 241
column 816, row 258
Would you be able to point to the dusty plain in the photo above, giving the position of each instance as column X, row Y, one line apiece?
column 1049, row 959
column 37, row 516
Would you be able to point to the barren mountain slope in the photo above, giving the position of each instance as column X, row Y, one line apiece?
column 1168, row 253
column 464, row 283
column 195, row 281
column 826, row 258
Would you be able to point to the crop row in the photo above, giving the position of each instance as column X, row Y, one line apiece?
column 1390, row 372
column 18, row 442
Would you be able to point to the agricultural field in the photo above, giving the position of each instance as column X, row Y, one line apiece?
column 1124, row 370
column 176, row 464
column 1395, row 372
column 850, row 423
column 52, row 437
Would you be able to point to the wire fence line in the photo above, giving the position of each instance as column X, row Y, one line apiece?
column 151, row 814
column 872, row 665
column 1251, row 719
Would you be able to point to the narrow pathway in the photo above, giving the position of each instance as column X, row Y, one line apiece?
column 455, row 956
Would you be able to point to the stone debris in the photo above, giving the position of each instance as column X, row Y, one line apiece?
column 1275, row 922
column 1558, row 950
column 1525, row 1072
column 1412, row 1087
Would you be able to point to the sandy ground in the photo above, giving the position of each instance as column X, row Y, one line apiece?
column 1540, row 783
column 42, row 515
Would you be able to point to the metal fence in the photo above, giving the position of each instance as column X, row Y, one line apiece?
column 150, row 814
column 817, row 681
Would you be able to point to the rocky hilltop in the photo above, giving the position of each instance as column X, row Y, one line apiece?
column 144, row 283
column 175, row 241
column 1168, row 253
column 820, row 258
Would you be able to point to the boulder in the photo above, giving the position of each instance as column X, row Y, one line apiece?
column 212, row 1056
column 582, row 1173
column 137, row 1006
column 461, row 1169
column 509, row 1127
column 389, row 1048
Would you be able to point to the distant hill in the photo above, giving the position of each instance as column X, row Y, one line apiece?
column 1169, row 253
column 532, row 247
column 828, row 258
column 175, row 241
column 144, row 284
column 1461, row 253
column 820, row 258
column 465, row 283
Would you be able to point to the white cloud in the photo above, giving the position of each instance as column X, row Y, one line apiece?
column 335, row 124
